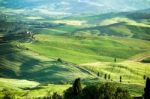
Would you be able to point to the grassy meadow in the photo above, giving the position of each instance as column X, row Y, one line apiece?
column 112, row 45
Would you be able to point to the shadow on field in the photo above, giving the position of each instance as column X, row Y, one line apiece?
column 6, row 50
column 9, row 52
column 14, row 64
column 44, row 74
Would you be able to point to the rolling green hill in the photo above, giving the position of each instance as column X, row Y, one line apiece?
column 117, row 26
column 59, row 51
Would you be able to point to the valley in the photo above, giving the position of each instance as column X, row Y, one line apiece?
column 40, row 56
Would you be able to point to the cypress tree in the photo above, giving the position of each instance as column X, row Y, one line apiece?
column 109, row 76
column 147, row 89
column 120, row 78
column 98, row 74
column 144, row 77
column 105, row 77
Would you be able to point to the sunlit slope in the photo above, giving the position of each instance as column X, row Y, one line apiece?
column 23, row 88
column 87, row 49
column 131, row 72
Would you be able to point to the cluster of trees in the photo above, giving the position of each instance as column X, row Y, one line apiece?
column 104, row 91
column 108, row 77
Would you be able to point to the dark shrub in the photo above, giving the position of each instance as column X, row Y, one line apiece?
column 56, row 96
column 104, row 91
column 59, row 60
column 115, row 59
column 146, row 60
column 7, row 94
column 91, row 92
column 122, row 94
column 68, row 94
column 107, row 91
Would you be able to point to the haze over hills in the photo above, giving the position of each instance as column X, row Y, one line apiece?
column 68, row 7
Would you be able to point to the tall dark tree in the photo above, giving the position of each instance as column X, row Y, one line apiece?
column 147, row 89
column 77, row 87
column 109, row 76
column 120, row 78
column 144, row 77
column 105, row 76
column 98, row 74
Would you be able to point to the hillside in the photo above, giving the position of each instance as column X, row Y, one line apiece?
column 71, row 40
column 42, row 54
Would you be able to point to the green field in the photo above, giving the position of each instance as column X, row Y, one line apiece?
column 86, row 46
